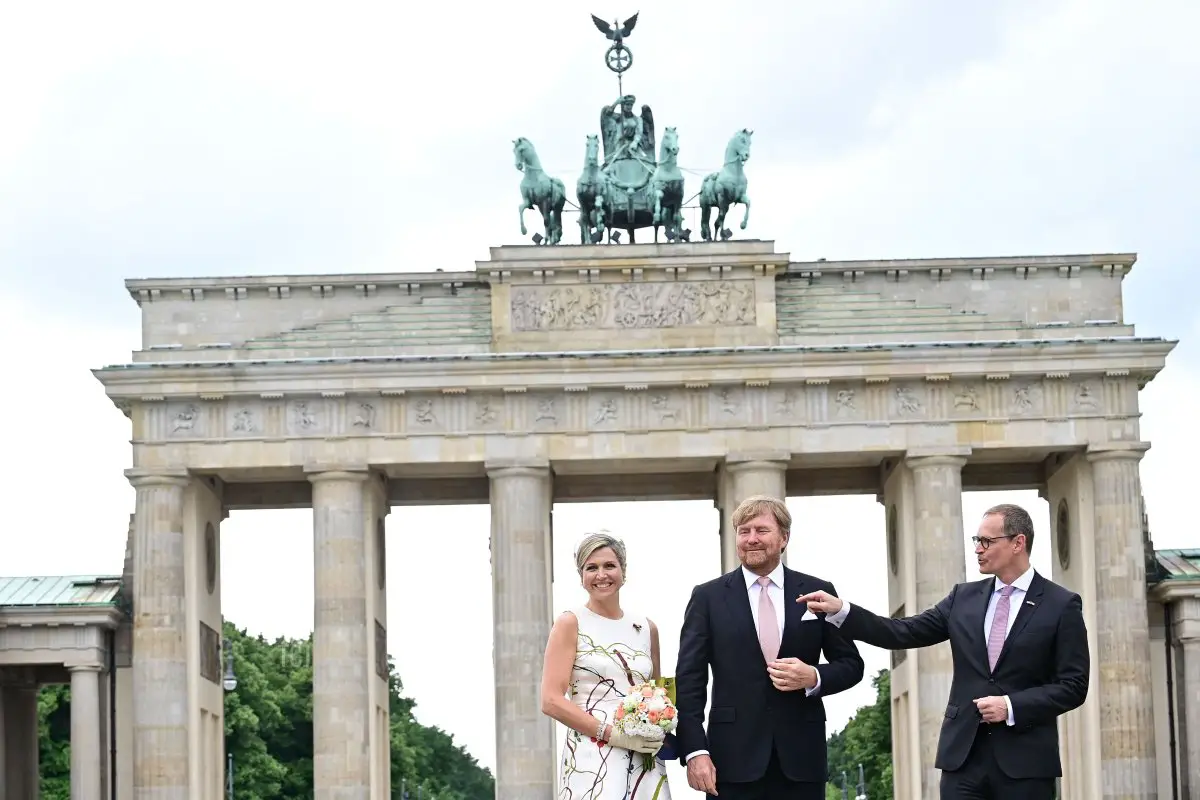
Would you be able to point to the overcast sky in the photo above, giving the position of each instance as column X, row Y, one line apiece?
column 262, row 138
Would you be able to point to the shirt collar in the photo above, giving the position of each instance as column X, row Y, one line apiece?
column 776, row 576
column 1021, row 583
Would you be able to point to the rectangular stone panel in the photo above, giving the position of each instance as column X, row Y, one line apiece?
column 210, row 654
column 898, row 656
column 381, row 651
column 618, row 306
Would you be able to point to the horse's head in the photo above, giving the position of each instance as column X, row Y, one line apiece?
column 738, row 149
column 670, row 144
column 523, row 152
column 592, row 153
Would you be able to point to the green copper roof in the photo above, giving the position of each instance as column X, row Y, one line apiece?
column 1181, row 565
column 59, row 590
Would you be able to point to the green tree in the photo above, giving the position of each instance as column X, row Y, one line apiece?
column 866, row 740
column 54, row 735
column 268, row 728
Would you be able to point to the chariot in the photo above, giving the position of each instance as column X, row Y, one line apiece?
column 633, row 185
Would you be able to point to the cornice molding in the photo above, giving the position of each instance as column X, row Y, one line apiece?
column 1112, row 264
column 1141, row 357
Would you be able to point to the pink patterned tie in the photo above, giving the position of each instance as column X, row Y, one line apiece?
column 999, row 627
column 768, row 623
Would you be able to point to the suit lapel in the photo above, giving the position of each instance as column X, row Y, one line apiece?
column 1029, row 606
column 737, row 597
column 793, row 612
column 976, row 613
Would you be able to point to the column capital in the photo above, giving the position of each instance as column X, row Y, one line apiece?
column 73, row 668
column 158, row 476
column 1112, row 451
column 772, row 458
column 337, row 472
column 1185, row 617
column 919, row 457
column 516, row 467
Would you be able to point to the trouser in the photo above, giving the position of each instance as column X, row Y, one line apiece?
column 980, row 777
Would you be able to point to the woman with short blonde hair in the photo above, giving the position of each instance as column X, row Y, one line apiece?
column 597, row 652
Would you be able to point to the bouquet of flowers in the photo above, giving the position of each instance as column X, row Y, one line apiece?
column 647, row 711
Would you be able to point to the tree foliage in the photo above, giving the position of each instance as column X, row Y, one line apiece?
column 268, row 729
column 866, row 740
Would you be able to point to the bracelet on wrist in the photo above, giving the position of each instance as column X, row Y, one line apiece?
column 600, row 726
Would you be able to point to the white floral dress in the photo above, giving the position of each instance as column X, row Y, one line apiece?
column 612, row 656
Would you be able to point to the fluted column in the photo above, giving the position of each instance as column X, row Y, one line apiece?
column 85, row 733
column 341, row 683
column 19, row 715
column 1124, row 692
column 160, row 663
column 521, row 502
column 940, row 564
column 1185, row 623
column 746, row 476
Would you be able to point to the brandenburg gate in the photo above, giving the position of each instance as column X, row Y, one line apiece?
column 708, row 370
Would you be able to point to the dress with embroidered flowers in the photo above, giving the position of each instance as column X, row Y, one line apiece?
column 612, row 655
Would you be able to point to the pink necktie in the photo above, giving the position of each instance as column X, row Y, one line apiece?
column 999, row 627
column 768, row 623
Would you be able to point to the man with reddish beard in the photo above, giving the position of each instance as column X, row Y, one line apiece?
column 766, row 732
column 1021, row 660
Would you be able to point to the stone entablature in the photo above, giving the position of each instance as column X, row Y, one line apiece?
column 469, row 409
column 655, row 296
column 72, row 639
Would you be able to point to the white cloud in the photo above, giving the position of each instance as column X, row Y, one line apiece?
column 67, row 445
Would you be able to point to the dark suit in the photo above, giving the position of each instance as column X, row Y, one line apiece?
column 750, row 719
column 1043, row 669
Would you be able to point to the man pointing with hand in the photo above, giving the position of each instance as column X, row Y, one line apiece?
column 766, row 730
column 1021, row 660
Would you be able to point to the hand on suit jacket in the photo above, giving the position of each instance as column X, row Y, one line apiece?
column 992, row 709
column 791, row 674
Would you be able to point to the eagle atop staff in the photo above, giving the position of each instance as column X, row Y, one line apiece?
column 616, row 33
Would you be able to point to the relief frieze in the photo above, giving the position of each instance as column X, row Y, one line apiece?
column 967, row 399
column 907, row 402
column 667, row 411
column 581, row 409
column 604, row 306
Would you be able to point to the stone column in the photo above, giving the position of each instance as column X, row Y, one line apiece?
column 521, row 500
column 341, row 684
column 1185, row 614
column 160, row 663
column 1124, row 692
column 940, row 564
column 747, row 476
column 85, row 733
column 19, row 716
column 757, row 476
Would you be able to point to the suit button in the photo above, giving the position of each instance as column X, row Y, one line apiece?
column 992, row 681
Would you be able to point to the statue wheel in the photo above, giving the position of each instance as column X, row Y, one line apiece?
column 618, row 58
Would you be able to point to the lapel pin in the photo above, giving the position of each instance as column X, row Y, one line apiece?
column 1030, row 603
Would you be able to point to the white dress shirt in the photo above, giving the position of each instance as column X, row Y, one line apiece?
column 1020, row 589
column 775, row 595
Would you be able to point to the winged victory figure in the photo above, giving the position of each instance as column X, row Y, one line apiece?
column 625, row 134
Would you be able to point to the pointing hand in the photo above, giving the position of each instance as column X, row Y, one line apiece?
column 821, row 602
